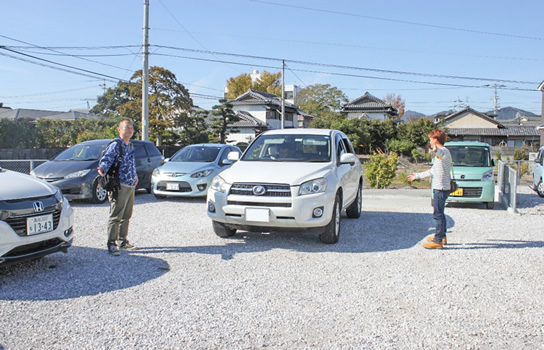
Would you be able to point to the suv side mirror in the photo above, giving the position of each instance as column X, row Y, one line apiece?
column 233, row 156
column 348, row 158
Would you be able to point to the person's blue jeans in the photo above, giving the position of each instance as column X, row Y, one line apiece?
column 439, row 203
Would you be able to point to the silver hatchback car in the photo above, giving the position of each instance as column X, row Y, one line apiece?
column 189, row 172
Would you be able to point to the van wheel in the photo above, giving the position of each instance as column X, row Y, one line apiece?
column 222, row 230
column 354, row 210
column 540, row 188
column 99, row 194
column 490, row 205
column 331, row 232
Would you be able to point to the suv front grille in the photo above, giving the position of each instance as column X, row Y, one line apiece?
column 18, row 223
column 271, row 190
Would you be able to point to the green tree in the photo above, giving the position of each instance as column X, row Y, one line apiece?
column 193, row 128
column 169, row 103
column 20, row 133
column 322, row 101
column 238, row 85
column 415, row 131
column 224, row 118
column 268, row 82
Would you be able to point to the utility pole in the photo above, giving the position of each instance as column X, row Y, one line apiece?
column 282, row 94
column 496, row 103
column 145, row 75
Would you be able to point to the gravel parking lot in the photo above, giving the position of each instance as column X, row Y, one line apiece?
column 377, row 288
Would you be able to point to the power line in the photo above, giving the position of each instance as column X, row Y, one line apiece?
column 340, row 74
column 348, row 67
column 399, row 21
column 24, row 42
column 54, row 67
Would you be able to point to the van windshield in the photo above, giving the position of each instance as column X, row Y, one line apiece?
column 473, row 156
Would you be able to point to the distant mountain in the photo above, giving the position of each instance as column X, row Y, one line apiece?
column 509, row 113
column 412, row 115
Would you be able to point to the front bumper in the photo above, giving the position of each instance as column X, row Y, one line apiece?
column 181, row 186
column 15, row 248
column 474, row 192
column 278, row 212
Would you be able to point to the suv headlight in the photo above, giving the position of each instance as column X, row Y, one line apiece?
column 313, row 186
column 488, row 176
column 59, row 198
column 218, row 184
column 202, row 173
column 156, row 172
column 80, row 173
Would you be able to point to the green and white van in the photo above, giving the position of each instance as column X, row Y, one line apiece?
column 473, row 172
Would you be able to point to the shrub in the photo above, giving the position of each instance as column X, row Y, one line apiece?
column 380, row 169
column 521, row 154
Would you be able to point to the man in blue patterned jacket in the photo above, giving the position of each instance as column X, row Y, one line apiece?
column 121, row 204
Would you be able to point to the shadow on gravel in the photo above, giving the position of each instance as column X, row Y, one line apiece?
column 525, row 200
column 372, row 232
column 81, row 272
column 498, row 244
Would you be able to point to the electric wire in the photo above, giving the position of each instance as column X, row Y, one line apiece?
column 472, row 31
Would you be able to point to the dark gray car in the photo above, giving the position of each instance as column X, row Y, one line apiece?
column 74, row 170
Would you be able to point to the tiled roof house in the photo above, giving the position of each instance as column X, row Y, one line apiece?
column 369, row 106
column 470, row 125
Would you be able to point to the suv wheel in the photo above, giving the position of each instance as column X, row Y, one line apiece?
column 332, row 230
column 99, row 194
column 222, row 230
column 354, row 210
column 540, row 188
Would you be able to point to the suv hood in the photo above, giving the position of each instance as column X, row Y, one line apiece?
column 61, row 168
column 292, row 173
column 14, row 185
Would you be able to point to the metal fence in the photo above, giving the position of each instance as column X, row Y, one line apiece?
column 507, row 180
column 22, row 166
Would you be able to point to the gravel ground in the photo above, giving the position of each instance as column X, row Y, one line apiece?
column 377, row 288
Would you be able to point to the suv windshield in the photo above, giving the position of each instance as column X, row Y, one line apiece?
column 196, row 154
column 82, row 152
column 290, row 148
column 473, row 156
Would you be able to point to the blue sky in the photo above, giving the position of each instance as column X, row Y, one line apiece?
column 431, row 53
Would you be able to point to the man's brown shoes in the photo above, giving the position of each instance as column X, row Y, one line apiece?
column 433, row 245
column 431, row 238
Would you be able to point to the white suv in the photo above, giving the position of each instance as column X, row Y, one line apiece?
column 538, row 173
column 289, row 179
column 35, row 219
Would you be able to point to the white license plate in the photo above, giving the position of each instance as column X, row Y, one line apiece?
column 258, row 215
column 172, row 186
column 39, row 224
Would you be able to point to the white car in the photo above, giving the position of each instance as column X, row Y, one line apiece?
column 289, row 179
column 189, row 172
column 35, row 219
column 538, row 173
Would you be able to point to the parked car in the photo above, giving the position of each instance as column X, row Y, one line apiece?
column 35, row 219
column 189, row 172
column 473, row 172
column 538, row 173
column 289, row 179
column 74, row 170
